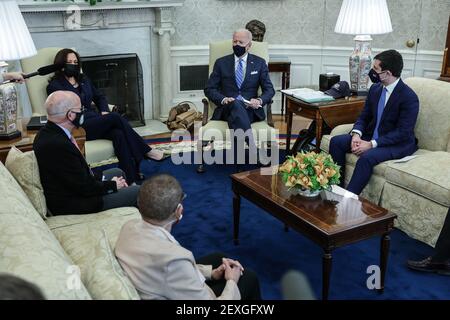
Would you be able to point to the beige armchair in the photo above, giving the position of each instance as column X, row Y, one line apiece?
column 98, row 152
column 214, row 130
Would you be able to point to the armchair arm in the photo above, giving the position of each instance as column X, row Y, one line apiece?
column 269, row 114
column 342, row 129
column 205, row 111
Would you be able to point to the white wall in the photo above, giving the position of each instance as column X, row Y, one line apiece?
column 307, row 63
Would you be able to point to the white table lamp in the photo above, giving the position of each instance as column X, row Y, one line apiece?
column 15, row 44
column 362, row 18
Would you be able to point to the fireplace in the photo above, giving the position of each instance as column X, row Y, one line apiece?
column 119, row 78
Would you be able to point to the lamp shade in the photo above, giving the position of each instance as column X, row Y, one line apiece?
column 363, row 17
column 15, row 39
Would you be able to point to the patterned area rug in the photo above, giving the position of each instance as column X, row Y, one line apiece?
column 175, row 147
column 169, row 147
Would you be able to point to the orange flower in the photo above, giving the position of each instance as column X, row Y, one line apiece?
column 329, row 172
column 291, row 181
column 322, row 179
column 305, row 181
column 286, row 167
column 318, row 168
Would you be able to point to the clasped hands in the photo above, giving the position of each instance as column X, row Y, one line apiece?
column 120, row 182
column 358, row 145
column 229, row 269
column 254, row 103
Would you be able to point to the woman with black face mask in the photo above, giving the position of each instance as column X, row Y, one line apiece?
column 99, row 122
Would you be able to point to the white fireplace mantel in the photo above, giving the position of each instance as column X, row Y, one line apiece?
column 113, row 27
column 51, row 6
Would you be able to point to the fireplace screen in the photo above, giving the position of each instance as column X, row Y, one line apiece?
column 119, row 77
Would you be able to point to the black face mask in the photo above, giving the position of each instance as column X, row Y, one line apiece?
column 79, row 118
column 374, row 76
column 238, row 50
column 71, row 70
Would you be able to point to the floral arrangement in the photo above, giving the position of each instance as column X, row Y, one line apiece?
column 310, row 171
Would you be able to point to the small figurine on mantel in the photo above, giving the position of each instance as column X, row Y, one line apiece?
column 257, row 28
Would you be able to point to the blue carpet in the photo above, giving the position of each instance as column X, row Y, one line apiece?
column 266, row 248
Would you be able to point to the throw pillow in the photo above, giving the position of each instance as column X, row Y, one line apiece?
column 24, row 167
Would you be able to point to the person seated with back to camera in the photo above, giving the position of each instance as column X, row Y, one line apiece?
column 69, row 185
column 129, row 147
column 160, row 268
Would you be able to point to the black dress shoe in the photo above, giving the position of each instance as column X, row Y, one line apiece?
column 427, row 265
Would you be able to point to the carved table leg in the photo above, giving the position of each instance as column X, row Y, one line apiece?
column 236, row 216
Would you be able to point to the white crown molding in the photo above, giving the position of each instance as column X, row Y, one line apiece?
column 36, row 6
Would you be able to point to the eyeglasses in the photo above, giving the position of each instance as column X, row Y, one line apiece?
column 81, row 110
column 71, row 109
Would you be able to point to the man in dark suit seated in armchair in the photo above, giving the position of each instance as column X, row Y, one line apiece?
column 385, row 127
column 69, row 185
column 233, row 85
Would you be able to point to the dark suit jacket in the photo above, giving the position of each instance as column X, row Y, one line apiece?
column 396, row 129
column 69, row 187
column 87, row 93
column 222, row 83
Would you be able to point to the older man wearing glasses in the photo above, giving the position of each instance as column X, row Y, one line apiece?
column 69, row 185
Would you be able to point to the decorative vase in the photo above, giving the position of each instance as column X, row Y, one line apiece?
column 308, row 193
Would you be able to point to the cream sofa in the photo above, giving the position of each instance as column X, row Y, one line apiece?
column 418, row 191
column 68, row 257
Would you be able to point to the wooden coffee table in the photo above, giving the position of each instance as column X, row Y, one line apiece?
column 330, row 220
column 25, row 142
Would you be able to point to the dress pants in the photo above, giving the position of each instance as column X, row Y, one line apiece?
column 129, row 147
column 239, row 116
column 248, row 283
column 341, row 145
column 442, row 248
column 125, row 197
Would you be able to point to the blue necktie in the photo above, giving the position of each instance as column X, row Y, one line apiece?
column 381, row 104
column 240, row 73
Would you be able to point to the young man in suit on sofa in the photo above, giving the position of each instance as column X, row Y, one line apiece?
column 385, row 127
column 69, row 185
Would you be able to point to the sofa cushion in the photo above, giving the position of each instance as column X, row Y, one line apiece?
column 427, row 175
column 87, row 244
column 61, row 221
column 14, row 199
column 434, row 99
column 24, row 168
column 30, row 251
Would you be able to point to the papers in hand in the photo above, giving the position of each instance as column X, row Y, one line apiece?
column 248, row 103
column 308, row 95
